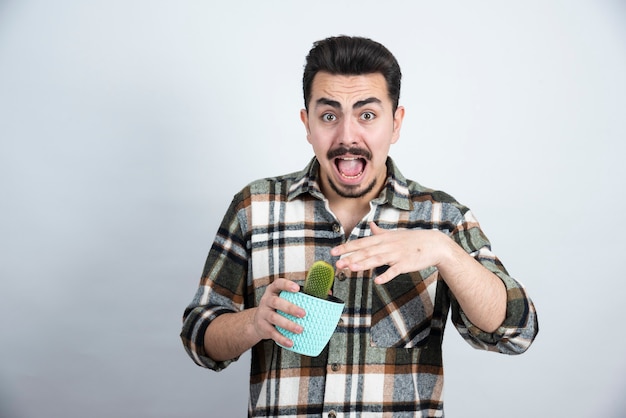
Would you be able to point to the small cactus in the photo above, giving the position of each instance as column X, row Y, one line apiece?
column 319, row 279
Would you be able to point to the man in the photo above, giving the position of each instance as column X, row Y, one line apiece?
column 405, row 256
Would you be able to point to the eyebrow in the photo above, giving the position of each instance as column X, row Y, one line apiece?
column 335, row 104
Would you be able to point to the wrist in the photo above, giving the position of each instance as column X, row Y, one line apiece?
column 452, row 258
column 251, row 331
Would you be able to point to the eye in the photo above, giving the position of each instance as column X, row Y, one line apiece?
column 367, row 116
column 328, row 117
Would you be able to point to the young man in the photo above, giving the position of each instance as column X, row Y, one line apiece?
column 405, row 256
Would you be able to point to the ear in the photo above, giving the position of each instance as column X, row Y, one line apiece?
column 304, row 117
column 398, row 117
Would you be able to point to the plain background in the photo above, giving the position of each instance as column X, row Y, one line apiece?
column 127, row 126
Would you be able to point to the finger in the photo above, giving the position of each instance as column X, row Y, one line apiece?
column 283, row 305
column 271, row 301
column 376, row 230
column 355, row 245
column 372, row 260
column 387, row 276
column 361, row 243
column 268, row 319
column 279, row 320
column 281, row 339
column 273, row 334
column 353, row 253
column 279, row 285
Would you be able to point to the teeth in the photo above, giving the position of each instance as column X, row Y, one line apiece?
column 350, row 159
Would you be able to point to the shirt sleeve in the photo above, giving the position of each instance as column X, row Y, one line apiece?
column 520, row 326
column 221, row 289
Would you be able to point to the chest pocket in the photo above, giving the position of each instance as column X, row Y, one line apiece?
column 402, row 310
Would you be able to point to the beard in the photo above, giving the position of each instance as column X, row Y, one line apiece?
column 351, row 192
column 354, row 191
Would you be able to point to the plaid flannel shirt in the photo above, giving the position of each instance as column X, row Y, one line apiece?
column 385, row 357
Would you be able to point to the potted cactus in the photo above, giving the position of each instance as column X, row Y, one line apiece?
column 319, row 280
column 322, row 311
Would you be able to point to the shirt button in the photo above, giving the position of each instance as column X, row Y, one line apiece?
column 336, row 228
column 334, row 367
column 332, row 414
column 342, row 276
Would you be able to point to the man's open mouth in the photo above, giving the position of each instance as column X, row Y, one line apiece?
column 350, row 167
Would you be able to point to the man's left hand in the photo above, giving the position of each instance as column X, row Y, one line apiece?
column 403, row 250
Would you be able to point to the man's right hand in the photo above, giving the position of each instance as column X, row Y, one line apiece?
column 265, row 318
column 231, row 334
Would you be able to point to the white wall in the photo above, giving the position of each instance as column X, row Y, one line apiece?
column 127, row 126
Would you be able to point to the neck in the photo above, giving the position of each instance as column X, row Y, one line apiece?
column 350, row 210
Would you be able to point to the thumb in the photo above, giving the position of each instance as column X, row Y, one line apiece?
column 376, row 230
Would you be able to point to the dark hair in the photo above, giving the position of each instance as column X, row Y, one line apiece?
column 348, row 55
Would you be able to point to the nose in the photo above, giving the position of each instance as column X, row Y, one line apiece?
column 348, row 134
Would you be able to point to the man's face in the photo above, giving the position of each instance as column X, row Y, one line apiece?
column 351, row 125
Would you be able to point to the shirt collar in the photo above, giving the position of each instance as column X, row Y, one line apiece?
column 395, row 192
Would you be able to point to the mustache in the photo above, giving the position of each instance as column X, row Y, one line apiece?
column 360, row 152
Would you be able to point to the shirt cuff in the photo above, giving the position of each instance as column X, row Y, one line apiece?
column 192, row 335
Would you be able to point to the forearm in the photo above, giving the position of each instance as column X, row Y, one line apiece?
column 230, row 335
column 480, row 293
